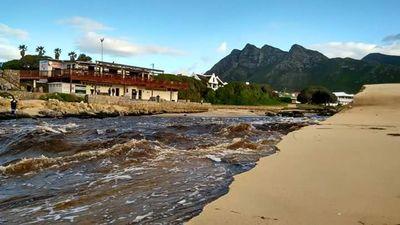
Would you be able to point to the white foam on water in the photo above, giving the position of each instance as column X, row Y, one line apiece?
column 140, row 218
column 101, row 131
column 70, row 218
column 48, row 129
column 115, row 177
column 132, row 169
column 213, row 158
column 130, row 201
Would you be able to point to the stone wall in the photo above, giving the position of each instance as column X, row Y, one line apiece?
column 166, row 106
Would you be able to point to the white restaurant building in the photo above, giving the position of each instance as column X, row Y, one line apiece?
column 103, row 78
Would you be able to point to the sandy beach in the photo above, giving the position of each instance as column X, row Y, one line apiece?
column 343, row 171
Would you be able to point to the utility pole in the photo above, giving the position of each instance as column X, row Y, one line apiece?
column 101, row 40
column 152, row 66
column 101, row 68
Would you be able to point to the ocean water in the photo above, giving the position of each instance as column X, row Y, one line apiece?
column 127, row 170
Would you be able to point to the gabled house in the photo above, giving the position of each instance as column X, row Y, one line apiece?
column 343, row 98
column 212, row 81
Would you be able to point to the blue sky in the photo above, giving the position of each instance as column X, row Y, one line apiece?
column 191, row 36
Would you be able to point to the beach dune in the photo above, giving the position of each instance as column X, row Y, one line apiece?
column 345, row 170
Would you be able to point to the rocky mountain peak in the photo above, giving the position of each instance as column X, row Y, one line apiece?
column 300, row 67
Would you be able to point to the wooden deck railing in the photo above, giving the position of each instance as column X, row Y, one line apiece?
column 92, row 77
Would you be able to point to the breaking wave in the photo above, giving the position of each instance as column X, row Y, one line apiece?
column 134, row 148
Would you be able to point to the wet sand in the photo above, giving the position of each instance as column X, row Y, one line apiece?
column 343, row 171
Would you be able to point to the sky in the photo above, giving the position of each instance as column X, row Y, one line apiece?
column 182, row 36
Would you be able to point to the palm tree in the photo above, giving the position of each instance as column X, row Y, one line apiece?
column 72, row 56
column 57, row 53
column 22, row 50
column 40, row 50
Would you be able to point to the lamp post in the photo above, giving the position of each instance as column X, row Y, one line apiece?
column 152, row 66
column 101, row 40
column 101, row 68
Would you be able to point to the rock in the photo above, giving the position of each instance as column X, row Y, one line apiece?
column 291, row 113
column 269, row 113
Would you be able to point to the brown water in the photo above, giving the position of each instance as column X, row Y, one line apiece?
column 127, row 170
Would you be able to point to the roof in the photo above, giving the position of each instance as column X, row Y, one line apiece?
column 206, row 78
column 343, row 94
column 108, row 64
column 112, row 64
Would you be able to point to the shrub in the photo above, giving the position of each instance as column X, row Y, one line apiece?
column 285, row 99
column 237, row 93
column 316, row 95
column 195, row 93
column 62, row 97
column 28, row 62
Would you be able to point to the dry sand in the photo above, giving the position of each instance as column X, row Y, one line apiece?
column 235, row 111
column 343, row 171
column 219, row 113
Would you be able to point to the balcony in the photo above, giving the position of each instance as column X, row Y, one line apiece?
column 97, row 78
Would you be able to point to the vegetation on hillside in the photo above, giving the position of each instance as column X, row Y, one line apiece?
column 316, row 95
column 196, row 91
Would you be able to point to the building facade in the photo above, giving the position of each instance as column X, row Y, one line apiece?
column 103, row 78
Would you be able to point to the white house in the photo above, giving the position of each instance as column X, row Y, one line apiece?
column 212, row 81
column 343, row 98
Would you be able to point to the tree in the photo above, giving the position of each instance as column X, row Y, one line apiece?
column 22, row 50
column 85, row 58
column 72, row 56
column 57, row 53
column 316, row 95
column 13, row 65
column 322, row 97
column 40, row 50
column 239, row 93
column 28, row 62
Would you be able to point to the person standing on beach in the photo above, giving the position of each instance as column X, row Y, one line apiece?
column 14, row 106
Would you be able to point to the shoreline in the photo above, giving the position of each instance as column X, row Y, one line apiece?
column 59, row 109
column 324, row 174
column 36, row 109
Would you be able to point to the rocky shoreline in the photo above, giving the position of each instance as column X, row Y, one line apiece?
column 58, row 109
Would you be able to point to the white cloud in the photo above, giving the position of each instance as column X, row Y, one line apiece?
column 84, row 24
column 222, row 47
column 90, row 43
column 6, row 31
column 7, row 51
column 355, row 50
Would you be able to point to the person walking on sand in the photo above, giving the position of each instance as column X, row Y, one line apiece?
column 14, row 107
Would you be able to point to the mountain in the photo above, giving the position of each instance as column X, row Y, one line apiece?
column 301, row 67
column 382, row 59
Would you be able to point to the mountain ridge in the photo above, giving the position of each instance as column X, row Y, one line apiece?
column 300, row 67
